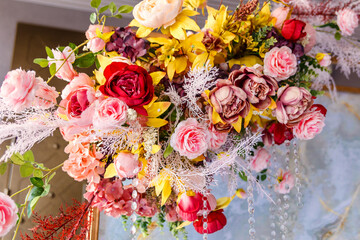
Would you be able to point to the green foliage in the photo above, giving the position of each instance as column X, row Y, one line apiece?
column 175, row 232
column 113, row 9
column 169, row 149
column 85, row 60
column 95, row 3
column 42, row 62
column 37, row 182
column 125, row 9
column 270, row 42
column 338, row 36
column 243, row 176
column 52, row 69
column 3, row 168
column 262, row 176
column 330, row 24
column 143, row 223
column 26, row 170
column 93, row 18
column 261, row 34
column 49, row 52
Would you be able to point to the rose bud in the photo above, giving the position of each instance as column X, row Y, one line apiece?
column 293, row 30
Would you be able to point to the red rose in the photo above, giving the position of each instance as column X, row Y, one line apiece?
column 130, row 83
column 215, row 221
column 293, row 29
column 191, row 205
column 281, row 133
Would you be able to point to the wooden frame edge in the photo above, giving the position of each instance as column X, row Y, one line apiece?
column 94, row 216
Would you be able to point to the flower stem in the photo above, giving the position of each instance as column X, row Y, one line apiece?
column 52, row 76
column 22, row 213
column 20, row 191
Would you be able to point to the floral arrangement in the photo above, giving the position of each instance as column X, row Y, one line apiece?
column 169, row 107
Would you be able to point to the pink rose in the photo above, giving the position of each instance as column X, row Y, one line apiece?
column 45, row 95
column 324, row 59
column 83, row 161
column 291, row 104
column 78, row 96
column 190, row 139
column 19, row 89
column 127, row 165
column 217, row 139
column 111, row 113
column 66, row 72
column 8, row 214
column 281, row 14
column 309, row 40
column 147, row 208
column 260, row 160
column 95, row 43
column 347, row 21
column 157, row 13
column 311, row 125
column 171, row 214
column 286, row 182
column 280, row 63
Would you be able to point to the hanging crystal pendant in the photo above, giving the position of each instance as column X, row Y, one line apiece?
column 205, row 217
column 134, row 207
column 272, row 208
column 251, row 209
column 297, row 175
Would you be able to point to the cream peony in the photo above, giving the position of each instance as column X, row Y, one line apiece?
column 157, row 13
column 347, row 21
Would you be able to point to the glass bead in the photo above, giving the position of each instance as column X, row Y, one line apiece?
column 281, row 218
column 135, row 182
column 297, row 171
column 205, row 204
column 283, row 237
column 298, row 181
column 205, row 225
column 300, row 204
column 286, row 215
column 273, row 233
column 252, row 231
column 273, row 225
column 251, row 210
column 134, row 206
column 251, row 221
column 133, row 217
column 134, row 194
column 286, row 206
column 250, row 200
column 286, row 197
column 205, row 214
column 250, row 188
column 299, row 195
column 279, row 201
column 133, row 230
column 283, row 228
column 205, row 236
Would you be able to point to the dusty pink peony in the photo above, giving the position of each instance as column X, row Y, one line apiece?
column 157, row 13
column 8, row 214
column 260, row 160
column 19, row 89
column 83, row 161
column 171, row 214
column 347, row 21
column 286, row 182
column 280, row 63
column 190, row 139
column 147, row 208
column 311, row 125
column 45, row 95
column 217, row 139
column 95, row 43
column 291, row 104
column 281, row 14
column 127, row 165
column 66, row 72
column 110, row 113
column 309, row 40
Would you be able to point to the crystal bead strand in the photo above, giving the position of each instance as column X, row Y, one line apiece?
column 251, row 209
column 297, row 175
column 272, row 208
column 134, row 206
column 205, row 219
column 283, row 216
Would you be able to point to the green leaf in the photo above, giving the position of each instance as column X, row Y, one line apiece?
column 46, row 190
column 119, row 16
column 93, row 18
column 125, row 9
column 73, row 46
column 330, row 24
column 35, row 192
column 42, row 62
column 169, row 149
column 38, row 173
column 112, row 8
column 17, row 159
column 243, row 176
column 264, row 171
column 31, row 206
column 49, row 52
column 38, row 182
column 52, row 69
column 338, row 36
column 85, row 61
column 26, row 170
column 103, row 9
column 95, row 3
column 51, row 177
column 3, row 168
column 29, row 156
column 263, row 177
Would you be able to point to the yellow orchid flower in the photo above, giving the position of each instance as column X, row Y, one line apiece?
column 162, row 184
column 154, row 110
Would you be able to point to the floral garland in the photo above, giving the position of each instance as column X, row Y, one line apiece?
column 170, row 106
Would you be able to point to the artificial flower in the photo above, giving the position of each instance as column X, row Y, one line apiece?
column 95, row 43
column 110, row 113
column 216, row 221
column 280, row 63
column 281, row 14
column 286, row 182
column 127, row 164
column 293, row 29
column 63, row 61
column 260, row 161
column 347, row 21
column 8, row 214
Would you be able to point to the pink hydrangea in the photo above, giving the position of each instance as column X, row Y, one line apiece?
column 280, row 63
column 347, row 21
column 190, row 139
column 260, row 160
column 311, row 125
column 65, row 70
column 83, row 162
column 19, row 89
column 110, row 114
column 147, row 208
column 8, row 214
